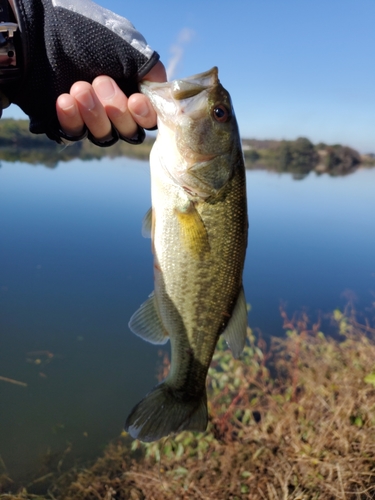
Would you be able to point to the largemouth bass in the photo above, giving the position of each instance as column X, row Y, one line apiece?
column 198, row 224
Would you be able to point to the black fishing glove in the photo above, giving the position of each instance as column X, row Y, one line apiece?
column 60, row 42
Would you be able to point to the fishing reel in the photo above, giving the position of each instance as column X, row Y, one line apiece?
column 10, row 71
column 8, row 58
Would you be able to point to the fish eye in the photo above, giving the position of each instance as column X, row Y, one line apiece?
column 221, row 114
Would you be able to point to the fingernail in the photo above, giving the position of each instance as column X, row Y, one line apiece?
column 69, row 111
column 105, row 89
column 85, row 99
column 141, row 110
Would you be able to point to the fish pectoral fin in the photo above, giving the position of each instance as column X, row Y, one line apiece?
column 147, row 324
column 163, row 412
column 193, row 232
column 147, row 224
column 236, row 330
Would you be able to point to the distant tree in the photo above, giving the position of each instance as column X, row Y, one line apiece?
column 299, row 156
column 16, row 132
column 341, row 160
column 251, row 155
column 17, row 143
column 285, row 156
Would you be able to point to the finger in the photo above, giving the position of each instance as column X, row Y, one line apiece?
column 157, row 73
column 69, row 116
column 91, row 110
column 142, row 111
column 115, row 104
column 140, row 106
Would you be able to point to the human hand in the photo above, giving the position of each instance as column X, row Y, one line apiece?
column 102, row 103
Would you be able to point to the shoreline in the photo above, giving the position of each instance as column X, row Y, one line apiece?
column 294, row 416
column 298, row 157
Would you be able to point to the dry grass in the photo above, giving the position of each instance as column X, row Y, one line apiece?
column 292, row 421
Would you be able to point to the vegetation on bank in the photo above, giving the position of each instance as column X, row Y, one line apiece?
column 298, row 157
column 290, row 420
column 301, row 156
column 17, row 143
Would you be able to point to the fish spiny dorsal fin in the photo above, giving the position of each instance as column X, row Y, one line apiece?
column 193, row 233
column 236, row 330
column 147, row 324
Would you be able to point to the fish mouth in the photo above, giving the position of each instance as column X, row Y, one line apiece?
column 181, row 89
column 179, row 97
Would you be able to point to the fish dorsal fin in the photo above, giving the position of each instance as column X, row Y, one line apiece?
column 147, row 324
column 193, row 233
column 236, row 330
column 147, row 224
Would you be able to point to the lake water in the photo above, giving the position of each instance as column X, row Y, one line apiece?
column 74, row 267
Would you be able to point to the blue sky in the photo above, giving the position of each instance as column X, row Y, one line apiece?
column 293, row 67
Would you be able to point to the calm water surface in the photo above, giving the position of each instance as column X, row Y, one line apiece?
column 74, row 267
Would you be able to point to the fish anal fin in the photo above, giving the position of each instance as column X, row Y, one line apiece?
column 236, row 329
column 147, row 324
column 162, row 413
column 193, row 233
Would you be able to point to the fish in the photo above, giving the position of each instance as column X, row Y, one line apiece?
column 198, row 225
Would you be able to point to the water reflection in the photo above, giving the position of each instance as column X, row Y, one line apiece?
column 74, row 267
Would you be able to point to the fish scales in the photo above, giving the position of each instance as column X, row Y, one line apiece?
column 209, row 298
column 199, row 237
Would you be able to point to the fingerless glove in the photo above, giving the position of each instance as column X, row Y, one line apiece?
column 64, row 41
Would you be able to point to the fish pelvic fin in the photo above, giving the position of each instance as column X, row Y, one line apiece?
column 147, row 324
column 236, row 330
column 163, row 412
column 147, row 224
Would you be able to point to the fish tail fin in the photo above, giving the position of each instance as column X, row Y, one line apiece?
column 164, row 411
